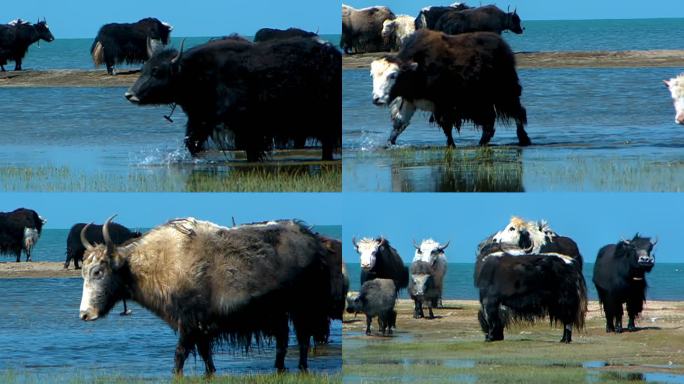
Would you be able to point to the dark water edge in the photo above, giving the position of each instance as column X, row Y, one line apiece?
column 666, row 281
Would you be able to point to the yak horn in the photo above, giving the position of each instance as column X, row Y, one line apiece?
column 443, row 247
column 655, row 241
column 85, row 241
column 105, row 234
column 180, row 53
column 382, row 240
column 354, row 242
column 416, row 245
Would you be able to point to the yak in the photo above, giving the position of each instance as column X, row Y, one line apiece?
column 16, row 37
column 676, row 87
column 362, row 29
column 395, row 32
column 428, row 16
column 530, row 287
column 265, row 34
column 379, row 260
column 620, row 277
column 20, row 230
column 432, row 252
column 74, row 245
column 376, row 297
column 481, row 19
column 232, row 88
column 215, row 285
column 118, row 43
column 338, row 278
column 423, row 288
column 467, row 77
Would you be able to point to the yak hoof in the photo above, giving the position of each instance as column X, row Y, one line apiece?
column 368, row 333
column 126, row 312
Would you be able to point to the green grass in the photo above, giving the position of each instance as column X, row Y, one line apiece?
column 10, row 377
column 316, row 177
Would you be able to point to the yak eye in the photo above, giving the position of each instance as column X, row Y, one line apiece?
column 511, row 229
column 393, row 75
column 97, row 273
column 419, row 251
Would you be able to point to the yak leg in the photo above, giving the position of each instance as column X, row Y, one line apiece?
column 28, row 255
column 76, row 266
column 447, row 126
column 67, row 261
column 610, row 316
column 382, row 324
column 183, row 349
column 416, row 309
column 487, row 123
column 432, row 316
column 17, row 64
column 492, row 316
column 19, row 256
column 618, row 317
column 126, row 311
column 521, row 119
column 282, row 333
column 303, row 339
column 2, row 68
column 634, row 306
column 196, row 134
column 204, row 349
column 368, row 325
column 392, row 321
column 401, row 112
column 567, row 333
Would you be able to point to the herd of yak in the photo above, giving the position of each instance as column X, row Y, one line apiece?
column 524, row 272
column 241, row 94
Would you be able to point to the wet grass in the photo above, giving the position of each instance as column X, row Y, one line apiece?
column 10, row 377
column 507, row 169
column 316, row 177
column 452, row 349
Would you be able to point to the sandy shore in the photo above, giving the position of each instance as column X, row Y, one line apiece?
column 36, row 269
column 593, row 59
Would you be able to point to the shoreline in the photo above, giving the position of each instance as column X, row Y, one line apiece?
column 37, row 270
column 98, row 78
column 564, row 59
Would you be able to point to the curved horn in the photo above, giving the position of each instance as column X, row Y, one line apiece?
column 180, row 52
column 105, row 234
column 654, row 242
column 85, row 241
column 443, row 247
column 416, row 245
column 354, row 242
column 382, row 240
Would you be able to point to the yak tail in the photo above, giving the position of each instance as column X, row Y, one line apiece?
column 581, row 312
column 98, row 54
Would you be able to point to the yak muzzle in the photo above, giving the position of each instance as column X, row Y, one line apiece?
column 132, row 97
column 378, row 101
column 86, row 316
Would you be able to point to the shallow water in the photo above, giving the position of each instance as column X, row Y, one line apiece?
column 592, row 130
column 42, row 336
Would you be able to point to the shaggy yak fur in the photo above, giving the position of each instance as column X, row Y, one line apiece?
column 16, row 37
column 215, row 285
column 376, row 297
column 481, row 19
column 387, row 264
column 362, row 29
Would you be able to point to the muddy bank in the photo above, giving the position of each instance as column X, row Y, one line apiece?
column 67, row 78
column 36, row 269
column 589, row 59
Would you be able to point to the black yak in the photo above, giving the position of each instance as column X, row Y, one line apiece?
column 379, row 260
column 423, row 288
column 16, row 37
column 362, row 29
column 118, row 43
column 339, row 282
column 251, row 93
column 265, row 34
column 376, row 297
column 481, row 19
column 432, row 253
column 215, row 284
column 428, row 16
column 620, row 277
column 19, row 230
column 467, row 77
column 74, row 245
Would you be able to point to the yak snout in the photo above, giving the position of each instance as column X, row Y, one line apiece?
column 679, row 119
column 87, row 316
column 378, row 101
column 131, row 97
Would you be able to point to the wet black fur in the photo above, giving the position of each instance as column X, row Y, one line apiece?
column 12, row 226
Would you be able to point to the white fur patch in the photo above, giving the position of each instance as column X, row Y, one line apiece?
column 676, row 88
column 367, row 249
column 384, row 75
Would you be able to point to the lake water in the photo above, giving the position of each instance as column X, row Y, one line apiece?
column 666, row 281
column 44, row 339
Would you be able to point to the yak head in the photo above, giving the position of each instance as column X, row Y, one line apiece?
column 676, row 87
column 353, row 302
column 368, row 249
column 429, row 251
column 420, row 283
column 385, row 72
column 102, row 276
column 44, row 31
column 514, row 22
column 516, row 233
column 639, row 252
column 155, row 84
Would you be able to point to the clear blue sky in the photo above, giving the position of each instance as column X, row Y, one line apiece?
column 145, row 210
column 82, row 18
column 591, row 219
column 552, row 9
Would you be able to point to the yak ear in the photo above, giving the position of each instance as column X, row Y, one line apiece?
column 667, row 83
